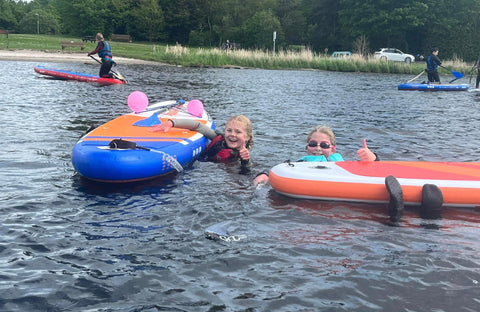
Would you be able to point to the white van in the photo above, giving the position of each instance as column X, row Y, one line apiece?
column 341, row 54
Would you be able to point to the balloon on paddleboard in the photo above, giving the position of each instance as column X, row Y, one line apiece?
column 137, row 101
column 195, row 107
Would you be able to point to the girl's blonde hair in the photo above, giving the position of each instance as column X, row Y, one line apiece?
column 99, row 36
column 248, row 127
column 325, row 130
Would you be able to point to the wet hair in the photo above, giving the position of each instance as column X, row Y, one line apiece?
column 248, row 127
column 325, row 130
column 99, row 36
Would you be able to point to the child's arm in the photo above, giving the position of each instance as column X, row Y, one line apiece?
column 185, row 124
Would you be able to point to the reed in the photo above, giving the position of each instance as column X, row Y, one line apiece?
column 215, row 57
column 305, row 59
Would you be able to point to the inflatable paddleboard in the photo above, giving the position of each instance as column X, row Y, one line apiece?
column 68, row 75
column 433, row 87
column 102, row 154
column 362, row 181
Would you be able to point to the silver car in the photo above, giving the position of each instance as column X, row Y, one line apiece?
column 393, row 54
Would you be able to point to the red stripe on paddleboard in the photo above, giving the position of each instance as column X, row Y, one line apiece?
column 414, row 170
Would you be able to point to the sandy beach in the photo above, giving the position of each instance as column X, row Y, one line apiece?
column 59, row 56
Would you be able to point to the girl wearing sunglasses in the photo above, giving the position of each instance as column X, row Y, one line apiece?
column 321, row 147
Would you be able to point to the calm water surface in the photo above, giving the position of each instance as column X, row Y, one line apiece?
column 70, row 245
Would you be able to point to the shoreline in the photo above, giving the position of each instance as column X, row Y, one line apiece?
column 78, row 57
column 61, row 57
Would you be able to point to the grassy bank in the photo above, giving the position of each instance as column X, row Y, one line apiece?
column 214, row 57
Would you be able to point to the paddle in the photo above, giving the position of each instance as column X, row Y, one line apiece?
column 123, row 144
column 457, row 75
column 416, row 77
column 116, row 74
column 453, row 80
column 165, row 105
column 474, row 67
column 194, row 107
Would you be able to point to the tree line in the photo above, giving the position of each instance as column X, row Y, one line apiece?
column 321, row 25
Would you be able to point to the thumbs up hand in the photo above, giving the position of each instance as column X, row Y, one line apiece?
column 365, row 154
column 244, row 153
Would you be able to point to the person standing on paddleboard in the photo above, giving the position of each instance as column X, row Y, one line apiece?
column 477, row 65
column 105, row 53
column 432, row 66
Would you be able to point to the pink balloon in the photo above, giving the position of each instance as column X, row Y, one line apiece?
column 195, row 107
column 137, row 101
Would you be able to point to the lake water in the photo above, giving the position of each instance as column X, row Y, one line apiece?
column 70, row 245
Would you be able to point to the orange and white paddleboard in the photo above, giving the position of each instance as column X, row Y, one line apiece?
column 362, row 181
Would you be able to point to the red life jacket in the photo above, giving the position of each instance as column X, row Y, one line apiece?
column 218, row 151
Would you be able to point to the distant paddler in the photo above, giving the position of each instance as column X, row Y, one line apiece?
column 105, row 53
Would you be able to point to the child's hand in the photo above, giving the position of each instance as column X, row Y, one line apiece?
column 260, row 179
column 244, row 153
column 365, row 154
column 163, row 127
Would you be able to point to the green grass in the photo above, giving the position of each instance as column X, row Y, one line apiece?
column 214, row 57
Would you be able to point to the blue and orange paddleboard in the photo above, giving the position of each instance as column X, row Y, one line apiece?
column 99, row 156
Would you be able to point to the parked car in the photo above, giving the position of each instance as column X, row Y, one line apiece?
column 393, row 54
column 341, row 54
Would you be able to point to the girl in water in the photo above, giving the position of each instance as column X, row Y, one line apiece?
column 233, row 145
column 321, row 146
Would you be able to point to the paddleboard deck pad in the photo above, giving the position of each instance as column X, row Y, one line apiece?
column 69, row 75
column 361, row 181
column 95, row 156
